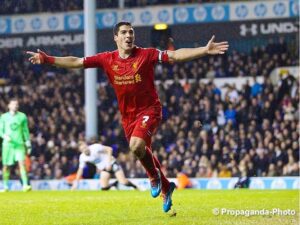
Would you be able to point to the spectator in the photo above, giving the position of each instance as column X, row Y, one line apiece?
column 57, row 120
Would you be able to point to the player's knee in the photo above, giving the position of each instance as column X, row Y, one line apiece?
column 137, row 149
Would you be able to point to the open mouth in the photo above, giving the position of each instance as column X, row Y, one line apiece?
column 128, row 42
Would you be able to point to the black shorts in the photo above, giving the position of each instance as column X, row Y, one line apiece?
column 115, row 167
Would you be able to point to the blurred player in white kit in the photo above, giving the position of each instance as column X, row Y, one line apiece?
column 101, row 156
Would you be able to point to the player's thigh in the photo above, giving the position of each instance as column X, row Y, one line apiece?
column 104, row 178
column 146, row 125
column 20, row 156
column 8, row 155
column 128, row 126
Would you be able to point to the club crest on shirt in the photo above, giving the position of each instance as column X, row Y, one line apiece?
column 115, row 67
column 137, row 78
column 14, row 126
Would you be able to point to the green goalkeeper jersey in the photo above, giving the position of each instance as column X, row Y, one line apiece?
column 16, row 127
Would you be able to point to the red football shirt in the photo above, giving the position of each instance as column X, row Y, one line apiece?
column 131, row 78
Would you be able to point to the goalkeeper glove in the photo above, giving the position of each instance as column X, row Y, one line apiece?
column 28, row 147
column 44, row 58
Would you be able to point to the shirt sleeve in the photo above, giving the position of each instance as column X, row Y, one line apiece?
column 95, row 61
column 25, row 129
column 158, row 56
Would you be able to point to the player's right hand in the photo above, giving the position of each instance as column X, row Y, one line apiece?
column 215, row 48
column 36, row 57
column 74, row 186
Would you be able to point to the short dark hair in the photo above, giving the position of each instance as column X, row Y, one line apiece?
column 118, row 25
column 13, row 99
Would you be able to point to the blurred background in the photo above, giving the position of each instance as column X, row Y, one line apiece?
column 247, row 100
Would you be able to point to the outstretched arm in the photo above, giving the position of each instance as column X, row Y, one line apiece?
column 41, row 57
column 187, row 54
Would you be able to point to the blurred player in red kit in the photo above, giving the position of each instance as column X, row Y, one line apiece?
column 130, row 70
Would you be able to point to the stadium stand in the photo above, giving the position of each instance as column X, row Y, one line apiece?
column 253, row 130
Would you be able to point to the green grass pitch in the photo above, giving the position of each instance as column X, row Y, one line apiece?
column 133, row 207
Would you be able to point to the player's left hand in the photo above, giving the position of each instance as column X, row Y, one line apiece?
column 215, row 48
column 29, row 150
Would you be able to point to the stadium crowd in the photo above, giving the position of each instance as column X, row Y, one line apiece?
column 253, row 130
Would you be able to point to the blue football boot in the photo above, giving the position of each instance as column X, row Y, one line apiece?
column 156, row 185
column 168, row 197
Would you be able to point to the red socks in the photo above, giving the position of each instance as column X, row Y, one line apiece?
column 148, row 163
column 164, row 180
column 151, row 163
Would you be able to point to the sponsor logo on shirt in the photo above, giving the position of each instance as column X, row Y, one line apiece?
column 127, row 79
column 96, row 161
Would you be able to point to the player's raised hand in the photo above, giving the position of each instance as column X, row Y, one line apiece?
column 35, row 57
column 40, row 57
column 215, row 48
